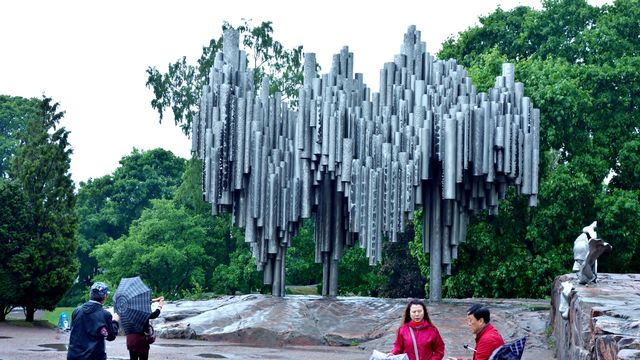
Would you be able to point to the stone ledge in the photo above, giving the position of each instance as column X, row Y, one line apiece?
column 603, row 321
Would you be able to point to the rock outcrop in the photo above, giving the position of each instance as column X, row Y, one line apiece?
column 370, row 323
column 603, row 318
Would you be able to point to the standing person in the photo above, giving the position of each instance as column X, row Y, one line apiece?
column 91, row 324
column 488, row 339
column 417, row 336
column 137, row 342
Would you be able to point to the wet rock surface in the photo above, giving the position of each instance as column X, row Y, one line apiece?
column 368, row 323
column 603, row 320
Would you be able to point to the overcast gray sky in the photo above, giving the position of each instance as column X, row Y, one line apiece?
column 91, row 56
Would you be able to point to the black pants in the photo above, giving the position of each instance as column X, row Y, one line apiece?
column 135, row 355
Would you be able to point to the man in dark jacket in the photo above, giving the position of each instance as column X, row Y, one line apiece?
column 90, row 325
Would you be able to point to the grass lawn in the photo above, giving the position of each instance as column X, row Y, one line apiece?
column 47, row 319
column 54, row 316
column 302, row 289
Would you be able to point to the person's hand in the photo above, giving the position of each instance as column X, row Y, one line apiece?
column 116, row 317
column 390, row 354
column 160, row 298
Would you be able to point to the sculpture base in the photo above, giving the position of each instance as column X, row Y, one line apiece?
column 603, row 321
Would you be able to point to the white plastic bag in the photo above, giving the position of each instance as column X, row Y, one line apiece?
column 377, row 355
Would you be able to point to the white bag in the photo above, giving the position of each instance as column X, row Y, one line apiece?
column 377, row 355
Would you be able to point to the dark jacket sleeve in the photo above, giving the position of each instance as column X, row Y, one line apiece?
column 155, row 314
column 73, row 315
column 112, row 326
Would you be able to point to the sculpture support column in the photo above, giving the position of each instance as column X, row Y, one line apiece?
column 435, row 251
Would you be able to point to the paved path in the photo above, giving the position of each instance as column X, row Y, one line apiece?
column 22, row 343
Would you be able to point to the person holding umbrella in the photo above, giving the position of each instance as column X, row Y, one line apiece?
column 132, row 302
column 91, row 324
column 137, row 343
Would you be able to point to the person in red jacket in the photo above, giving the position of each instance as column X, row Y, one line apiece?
column 418, row 334
column 488, row 339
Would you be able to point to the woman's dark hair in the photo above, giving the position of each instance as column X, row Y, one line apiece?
column 407, row 311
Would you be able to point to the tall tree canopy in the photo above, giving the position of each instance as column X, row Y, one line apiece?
column 14, row 113
column 580, row 66
column 180, row 87
column 177, row 247
column 40, row 167
column 108, row 205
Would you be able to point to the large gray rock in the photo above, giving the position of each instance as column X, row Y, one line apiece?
column 274, row 321
column 603, row 321
column 370, row 323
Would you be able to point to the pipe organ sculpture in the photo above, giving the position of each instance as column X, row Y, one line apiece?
column 359, row 163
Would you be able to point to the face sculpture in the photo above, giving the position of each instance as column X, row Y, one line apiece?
column 580, row 251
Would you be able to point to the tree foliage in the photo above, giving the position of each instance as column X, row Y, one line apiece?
column 356, row 275
column 40, row 167
column 14, row 114
column 399, row 272
column 239, row 275
column 579, row 65
column 108, row 205
column 15, row 233
column 175, row 244
column 170, row 248
column 180, row 87
column 302, row 268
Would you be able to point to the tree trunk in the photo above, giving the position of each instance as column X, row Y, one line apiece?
column 5, row 310
column 29, row 311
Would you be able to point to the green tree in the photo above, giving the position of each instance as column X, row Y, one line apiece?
column 225, row 236
column 579, row 66
column 301, row 266
column 108, row 205
column 15, row 233
column 399, row 272
column 179, row 89
column 239, row 275
column 619, row 224
column 189, row 194
column 523, row 33
column 41, row 168
column 14, row 113
column 357, row 277
column 167, row 246
column 614, row 34
column 627, row 175
column 504, row 31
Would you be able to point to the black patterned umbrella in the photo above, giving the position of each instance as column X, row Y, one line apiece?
column 132, row 302
column 510, row 351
